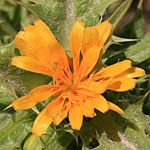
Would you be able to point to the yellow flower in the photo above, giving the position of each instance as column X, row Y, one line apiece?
column 77, row 92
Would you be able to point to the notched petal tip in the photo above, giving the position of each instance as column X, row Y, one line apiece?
column 104, row 30
column 80, row 22
column 38, row 21
column 107, row 22
column 105, row 26
column 100, row 103
column 29, row 27
column 20, row 35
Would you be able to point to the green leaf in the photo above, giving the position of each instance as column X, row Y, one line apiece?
column 17, row 79
column 14, row 128
column 61, row 140
column 60, row 15
column 33, row 143
column 146, row 106
column 22, row 81
column 140, row 51
column 138, row 138
column 7, row 94
column 135, row 29
column 54, row 140
column 118, row 15
column 90, row 11
column 12, row 18
column 6, row 27
column 6, row 52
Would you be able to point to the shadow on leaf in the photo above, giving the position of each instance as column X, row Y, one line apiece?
column 109, row 123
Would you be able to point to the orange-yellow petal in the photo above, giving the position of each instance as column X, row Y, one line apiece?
column 75, row 42
column 75, row 117
column 113, row 70
column 89, row 61
column 122, row 84
column 95, row 87
column 45, row 118
column 30, row 64
column 22, row 45
column 44, row 29
column 45, row 48
column 34, row 38
column 23, row 103
column 115, row 108
column 41, row 123
column 90, row 39
column 87, row 108
column 54, row 53
column 53, row 50
column 76, row 38
column 61, row 115
column 104, row 30
column 96, row 36
column 38, row 94
column 133, row 73
column 43, row 92
column 100, row 103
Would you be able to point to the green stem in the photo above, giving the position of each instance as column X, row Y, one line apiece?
column 118, row 15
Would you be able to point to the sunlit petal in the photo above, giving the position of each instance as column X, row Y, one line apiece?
column 90, row 39
column 23, row 103
column 75, row 117
column 61, row 115
column 104, row 30
column 87, row 108
column 133, row 72
column 75, row 42
column 42, row 45
column 95, row 87
column 36, row 95
column 100, row 103
column 44, row 119
column 122, row 84
column 44, row 91
column 41, row 123
column 113, row 70
column 22, row 45
column 30, row 64
column 89, row 61
column 115, row 108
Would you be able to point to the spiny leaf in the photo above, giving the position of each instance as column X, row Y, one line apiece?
column 58, row 140
column 13, row 129
column 33, row 143
column 60, row 15
column 6, row 52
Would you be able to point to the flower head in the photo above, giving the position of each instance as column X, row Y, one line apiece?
column 77, row 91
